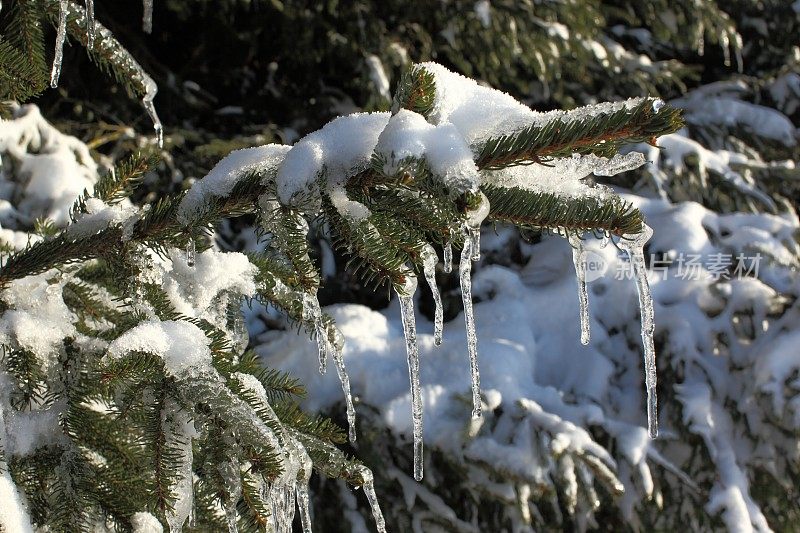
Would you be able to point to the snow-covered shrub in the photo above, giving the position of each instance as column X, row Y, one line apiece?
column 127, row 385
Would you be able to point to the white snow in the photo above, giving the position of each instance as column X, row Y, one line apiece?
column 100, row 216
column 182, row 345
column 221, row 180
column 43, row 170
column 144, row 522
column 408, row 135
column 480, row 112
column 195, row 290
column 341, row 148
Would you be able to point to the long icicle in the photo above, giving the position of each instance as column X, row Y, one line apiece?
column 147, row 16
column 429, row 260
column 372, row 498
column 465, row 273
column 61, row 36
column 338, row 359
column 406, row 297
column 583, row 295
column 313, row 313
column 634, row 245
column 89, row 23
column 325, row 347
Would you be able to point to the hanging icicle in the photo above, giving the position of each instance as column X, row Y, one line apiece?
column 578, row 260
column 406, row 297
column 634, row 246
column 90, row 23
column 147, row 16
column 147, row 101
column 313, row 313
column 447, row 256
column 372, row 498
column 344, row 379
column 429, row 260
column 465, row 274
column 471, row 252
column 61, row 36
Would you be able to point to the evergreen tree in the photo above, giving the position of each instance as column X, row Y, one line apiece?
column 116, row 413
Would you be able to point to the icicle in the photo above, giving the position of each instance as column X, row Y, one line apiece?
column 304, row 506
column 447, row 256
column 406, row 297
column 474, row 234
column 147, row 101
column 191, row 252
column 475, row 218
column 313, row 313
column 89, row 23
column 338, row 359
column 147, row 16
column 429, row 260
column 469, row 318
column 230, row 473
column 583, row 295
column 634, row 245
column 372, row 498
column 61, row 36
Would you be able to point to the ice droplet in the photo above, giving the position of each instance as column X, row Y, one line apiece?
column 429, row 260
column 191, row 252
column 406, row 297
column 634, row 246
column 61, row 36
column 583, row 295
column 465, row 272
column 658, row 104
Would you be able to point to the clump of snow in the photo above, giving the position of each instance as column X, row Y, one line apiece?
column 715, row 105
column 341, row 148
column 38, row 319
column 43, row 170
column 144, row 522
column 221, row 180
column 100, row 216
column 182, row 345
column 480, row 112
column 13, row 515
column 409, row 136
column 194, row 290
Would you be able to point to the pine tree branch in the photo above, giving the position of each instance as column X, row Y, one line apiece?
column 529, row 209
column 601, row 134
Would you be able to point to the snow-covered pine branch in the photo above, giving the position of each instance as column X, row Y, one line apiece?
column 153, row 329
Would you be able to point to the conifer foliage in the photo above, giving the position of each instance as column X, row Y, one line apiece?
column 128, row 396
